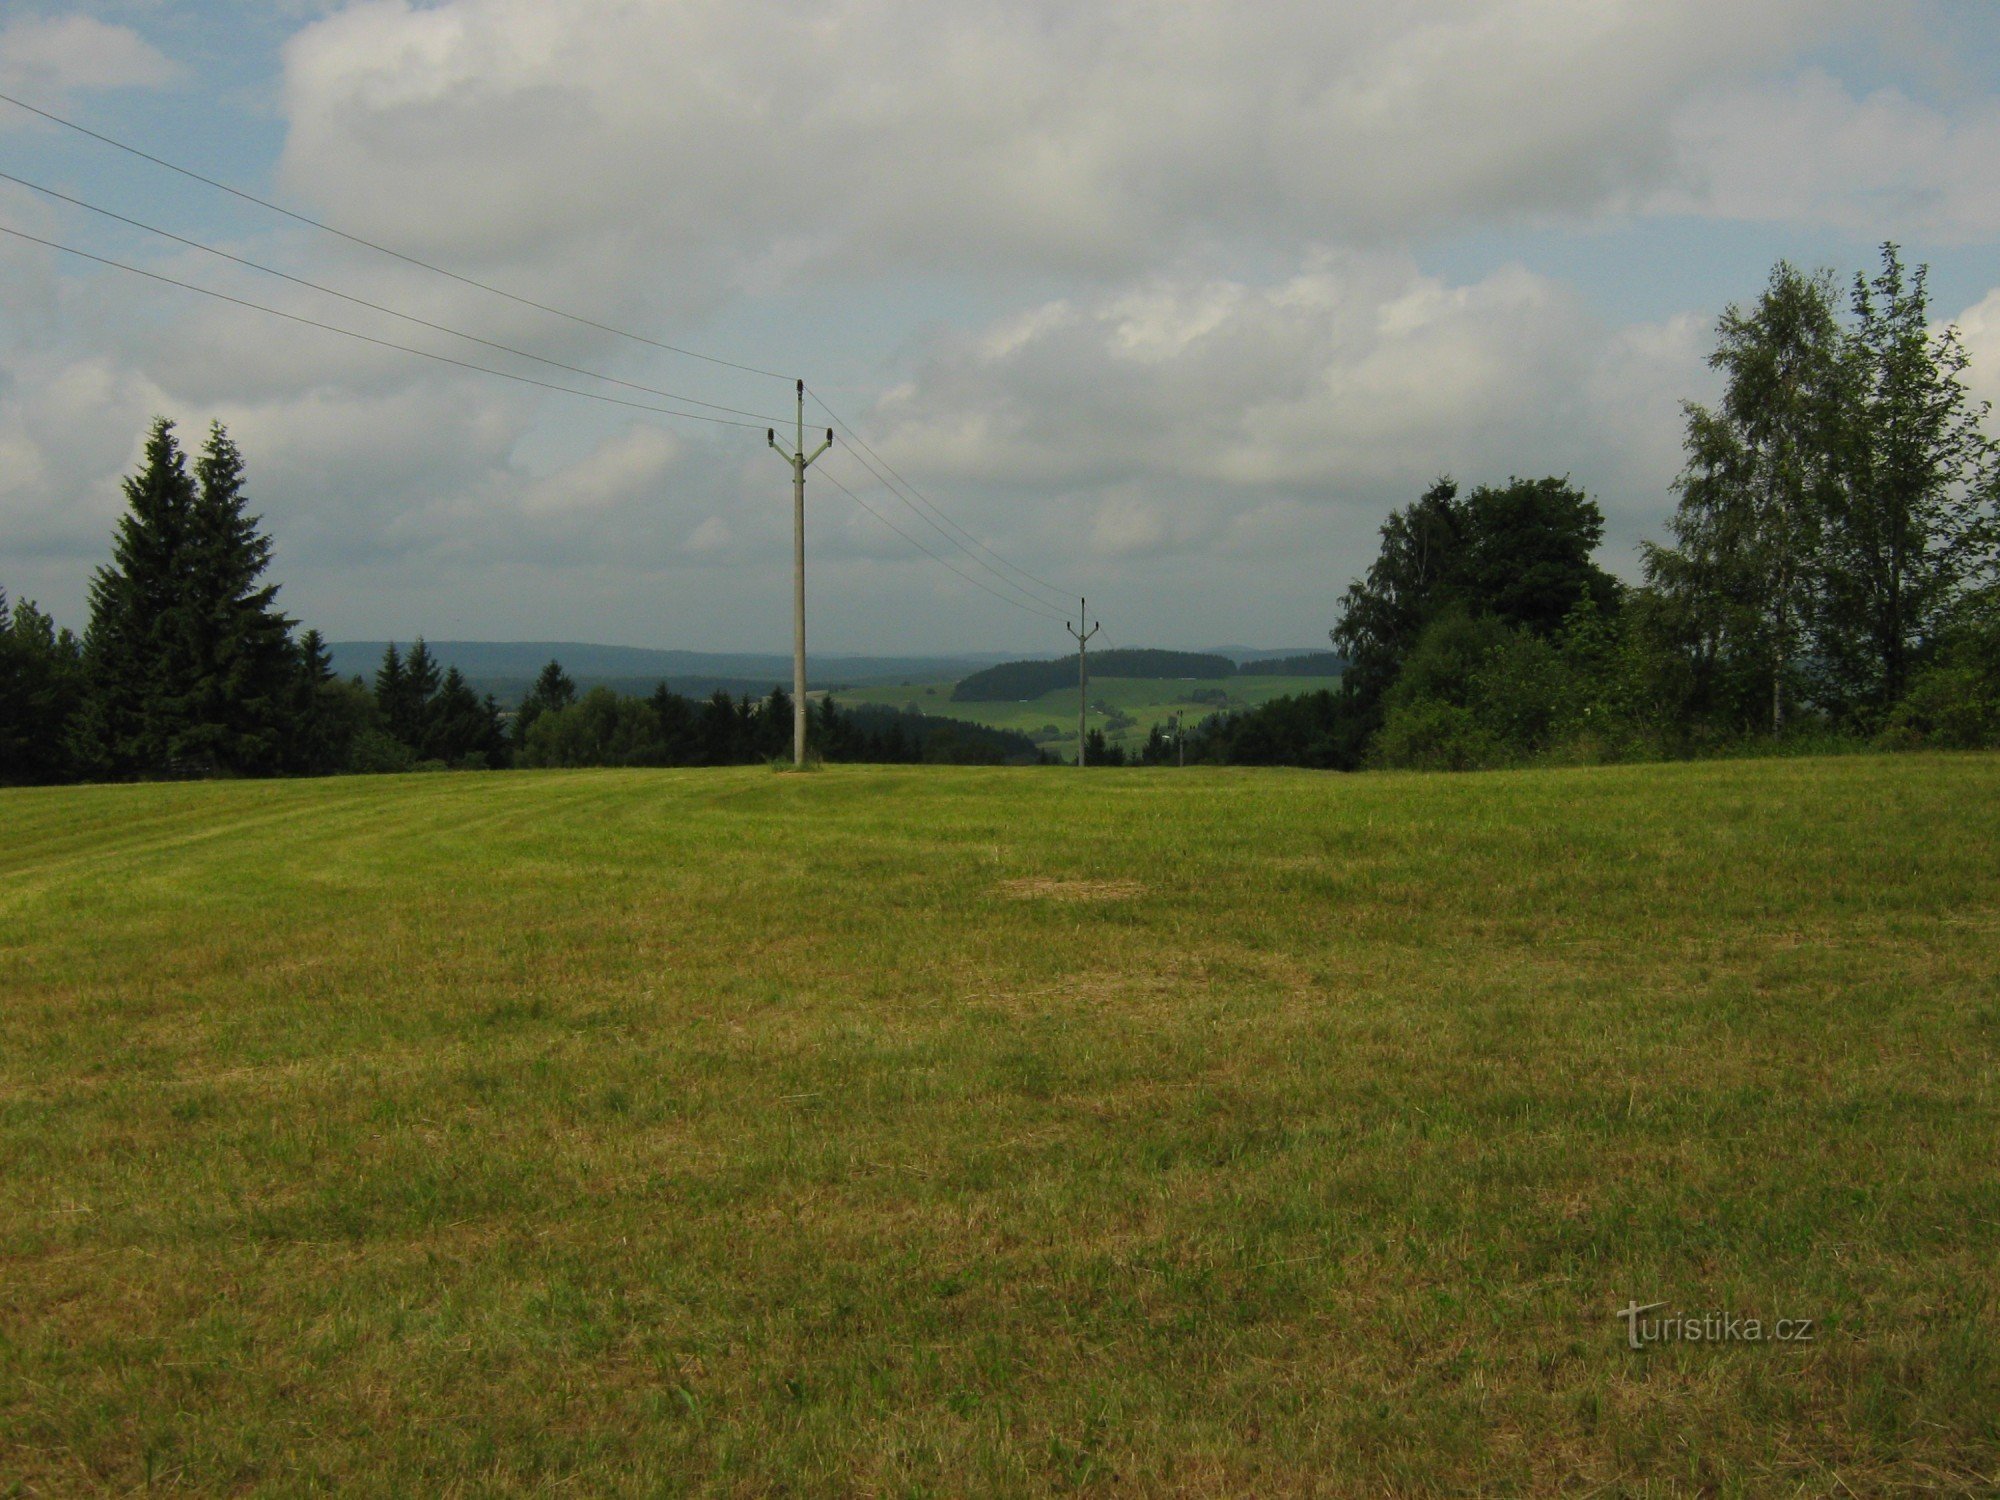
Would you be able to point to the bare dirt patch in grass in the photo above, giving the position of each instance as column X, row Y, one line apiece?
column 1042, row 888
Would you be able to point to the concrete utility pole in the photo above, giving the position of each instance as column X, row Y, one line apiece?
column 1082, row 675
column 800, row 460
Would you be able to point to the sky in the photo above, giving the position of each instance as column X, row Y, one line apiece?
column 1163, row 303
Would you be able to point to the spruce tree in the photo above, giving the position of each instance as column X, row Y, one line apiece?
column 392, row 691
column 190, row 665
column 139, row 672
column 315, row 661
column 460, row 725
column 313, row 741
column 418, row 726
column 41, row 693
column 552, row 690
column 244, row 667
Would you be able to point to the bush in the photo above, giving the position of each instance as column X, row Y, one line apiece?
column 1431, row 735
column 1954, row 704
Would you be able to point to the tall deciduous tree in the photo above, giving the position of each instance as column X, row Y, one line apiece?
column 1519, row 554
column 1911, row 525
column 1763, row 469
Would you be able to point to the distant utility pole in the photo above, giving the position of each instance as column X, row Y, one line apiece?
column 1082, row 675
column 1180, row 737
column 800, row 461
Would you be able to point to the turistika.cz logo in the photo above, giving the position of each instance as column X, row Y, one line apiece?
column 1708, row 1327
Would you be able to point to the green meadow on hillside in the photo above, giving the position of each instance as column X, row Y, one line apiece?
column 952, row 1131
column 1145, row 701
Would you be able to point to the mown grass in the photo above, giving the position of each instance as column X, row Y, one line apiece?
column 1146, row 701
column 937, row 1131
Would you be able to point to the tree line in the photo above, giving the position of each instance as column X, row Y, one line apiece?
column 1830, row 575
column 189, row 668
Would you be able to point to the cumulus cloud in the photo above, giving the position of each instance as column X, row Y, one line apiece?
column 749, row 145
column 1979, row 327
column 1145, row 270
column 48, row 57
column 1813, row 150
column 1181, row 403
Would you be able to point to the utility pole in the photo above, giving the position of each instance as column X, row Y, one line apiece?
column 1180, row 736
column 1082, row 675
column 800, row 460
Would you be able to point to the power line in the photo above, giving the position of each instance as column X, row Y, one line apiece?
column 995, row 573
column 380, row 249
column 456, row 333
column 862, row 443
column 973, row 557
column 366, row 338
column 896, row 485
column 944, row 561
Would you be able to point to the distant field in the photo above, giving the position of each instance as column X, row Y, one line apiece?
column 904, row 1131
column 1147, row 702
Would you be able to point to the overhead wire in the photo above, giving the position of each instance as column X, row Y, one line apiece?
column 380, row 249
column 457, row 333
column 366, row 338
column 992, row 572
column 918, row 495
column 897, row 485
column 946, row 562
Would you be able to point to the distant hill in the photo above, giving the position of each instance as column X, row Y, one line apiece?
column 506, row 668
column 1014, row 681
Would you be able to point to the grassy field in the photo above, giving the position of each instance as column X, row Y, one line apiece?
column 934, row 1131
column 1147, row 702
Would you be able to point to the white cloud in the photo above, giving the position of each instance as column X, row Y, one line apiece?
column 1197, row 418
column 1204, row 360
column 1979, row 327
column 751, row 145
column 1812, row 150
column 46, row 57
column 631, row 466
column 1345, row 373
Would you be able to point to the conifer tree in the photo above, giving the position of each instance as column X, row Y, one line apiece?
column 41, row 692
column 392, row 689
column 417, row 721
column 244, row 668
column 314, row 737
column 315, row 661
column 463, row 729
column 552, row 690
column 190, row 665
column 135, row 655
